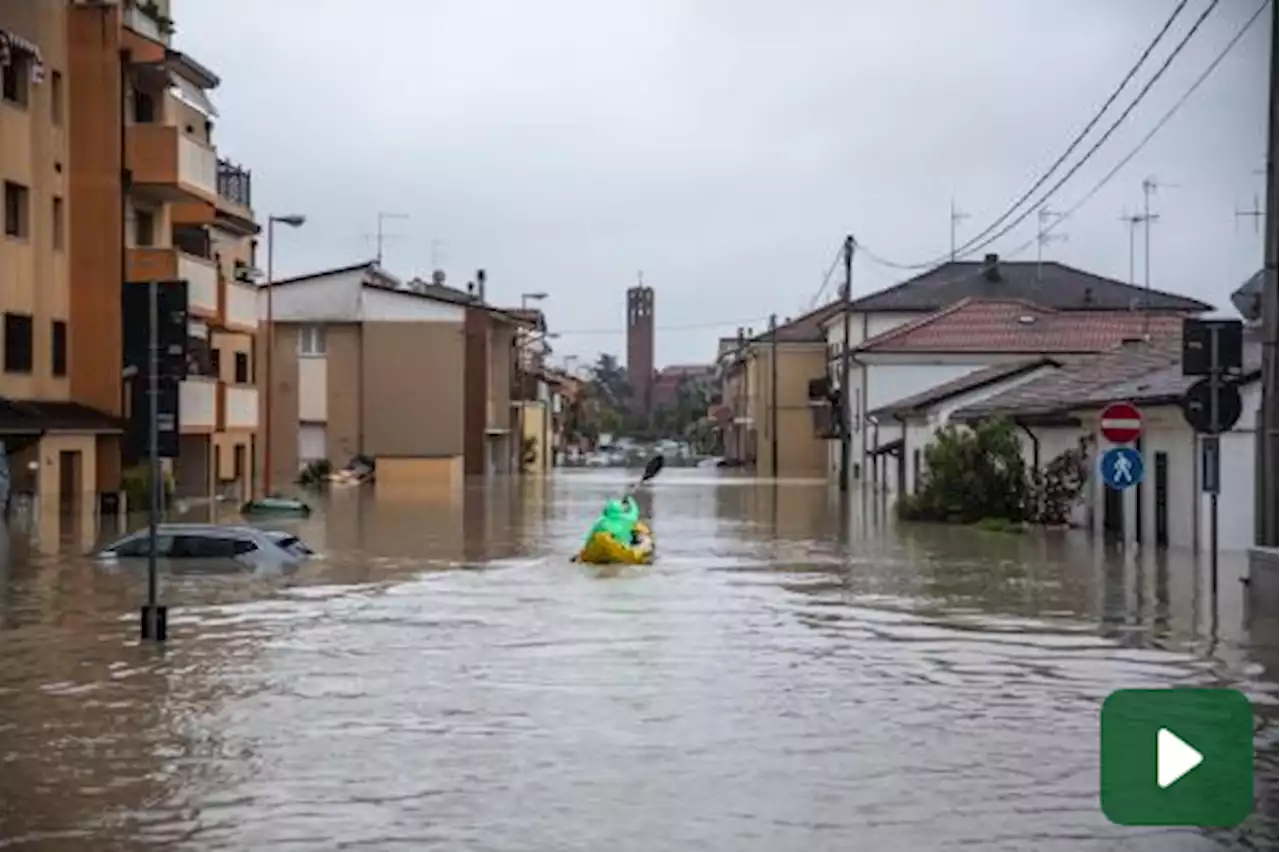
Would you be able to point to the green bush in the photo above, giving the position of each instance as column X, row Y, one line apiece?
column 999, row 525
column 973, row 475
column 135, row 482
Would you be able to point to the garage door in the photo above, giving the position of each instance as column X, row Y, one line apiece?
column 312, row 443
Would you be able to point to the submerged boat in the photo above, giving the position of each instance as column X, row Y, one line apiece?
column 604, row 549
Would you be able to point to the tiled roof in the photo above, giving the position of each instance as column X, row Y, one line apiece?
column 1167, row 384
column 19, row 416
column 963, row 384
column 1079, row 378
column 806, row 328
column 1016, row 325
column 1052, row 284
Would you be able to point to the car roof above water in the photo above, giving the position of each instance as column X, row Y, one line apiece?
column 216, row 530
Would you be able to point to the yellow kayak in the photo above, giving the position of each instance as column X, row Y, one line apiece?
column 604, row 549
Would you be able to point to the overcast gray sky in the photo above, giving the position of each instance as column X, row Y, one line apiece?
column 723, row 147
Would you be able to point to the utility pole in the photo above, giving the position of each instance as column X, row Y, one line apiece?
column 1133, row 220
column 380, row 236
column 846, row 411
column 773, row 395
column 1266, row 456
column 957, row 216
column 1044, row 215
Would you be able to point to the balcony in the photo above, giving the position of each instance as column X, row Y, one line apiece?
column 145, row 20
column 169, row 166
column 167, row 264
column 198, row 405
column 240, row 306
column 239, row 408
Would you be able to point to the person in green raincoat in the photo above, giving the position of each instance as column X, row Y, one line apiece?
column 618, row 520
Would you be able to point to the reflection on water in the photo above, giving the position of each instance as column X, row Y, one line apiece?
column 788, row 675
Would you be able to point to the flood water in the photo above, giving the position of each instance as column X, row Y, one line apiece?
column 785, row 677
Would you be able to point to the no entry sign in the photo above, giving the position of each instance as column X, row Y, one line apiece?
column 1121, row 423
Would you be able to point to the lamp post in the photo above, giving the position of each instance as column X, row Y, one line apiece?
column 293, row 220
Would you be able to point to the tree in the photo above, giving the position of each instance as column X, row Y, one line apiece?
column 972, row 475
column 609, row 380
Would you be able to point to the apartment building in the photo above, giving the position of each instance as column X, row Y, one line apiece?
column 152, row 201
column 417, row 376
column 59, row 443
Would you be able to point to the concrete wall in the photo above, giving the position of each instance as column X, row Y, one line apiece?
column 801, row 453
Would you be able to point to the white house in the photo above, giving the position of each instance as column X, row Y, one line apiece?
column 1170, row 508
column 879, row 377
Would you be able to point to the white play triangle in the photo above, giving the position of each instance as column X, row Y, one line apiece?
column 1174, row 758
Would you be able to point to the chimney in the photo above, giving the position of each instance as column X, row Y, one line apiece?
column 437, row 277
column 471, row 288
column 991, row 267
column 480, row 284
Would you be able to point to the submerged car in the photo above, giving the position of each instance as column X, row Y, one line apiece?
column 211, row 548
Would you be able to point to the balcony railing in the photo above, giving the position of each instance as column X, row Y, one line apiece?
column 201, row 276
column 198, row 404
column 241, row 306
column 235, row 184
column 239, row 407
column 197, row 165
column 139, row 18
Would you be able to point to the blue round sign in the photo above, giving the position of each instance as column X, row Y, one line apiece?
column 1121, row 468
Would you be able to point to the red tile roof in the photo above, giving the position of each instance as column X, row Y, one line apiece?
column 1015, row 325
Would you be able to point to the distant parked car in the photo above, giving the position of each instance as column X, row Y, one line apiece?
column 209, row 548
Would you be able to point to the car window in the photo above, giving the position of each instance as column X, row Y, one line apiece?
column 241, row 546
column 203, row 547
column 141, row 546
column 293, row 545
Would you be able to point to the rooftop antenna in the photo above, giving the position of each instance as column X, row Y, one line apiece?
column 1256, row 213
column 1046, row 219
column 1149, row 186
column 379, row 236
column 1133, row 220
column 957, row 216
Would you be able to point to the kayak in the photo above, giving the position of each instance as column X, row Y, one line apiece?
column 604, row 549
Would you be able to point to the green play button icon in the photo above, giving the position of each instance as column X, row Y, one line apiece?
column 1177, row 757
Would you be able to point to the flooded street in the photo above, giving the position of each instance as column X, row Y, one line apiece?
column 782, row 678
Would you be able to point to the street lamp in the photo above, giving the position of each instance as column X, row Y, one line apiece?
column 526, row 298
column 293, row 220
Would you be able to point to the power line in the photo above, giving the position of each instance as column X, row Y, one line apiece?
column 826, row 279
column 1164, row 119
column 977, row 243
column 1055, row 221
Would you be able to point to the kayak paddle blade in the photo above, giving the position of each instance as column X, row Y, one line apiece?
column 651, row 469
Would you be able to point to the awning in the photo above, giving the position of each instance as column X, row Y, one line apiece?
column 893, row 447
column 191, row 95
column 11, row 43
column 32, row 417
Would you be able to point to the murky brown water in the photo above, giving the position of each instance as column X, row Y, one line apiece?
column 446, row 679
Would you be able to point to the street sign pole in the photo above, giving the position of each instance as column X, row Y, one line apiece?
column 1215, row 385
column 154, row 616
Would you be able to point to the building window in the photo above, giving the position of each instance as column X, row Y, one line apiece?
column 242, row 368
column 144, row 228
column 215, row 362
column 16, row 197
column 144, row 107
column 17, row 343
column 55, row 97
column 59, row 348
column 59, row 236
column 15, row 79
column 311, row 340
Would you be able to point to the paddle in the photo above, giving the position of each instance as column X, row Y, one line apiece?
column 650, row 471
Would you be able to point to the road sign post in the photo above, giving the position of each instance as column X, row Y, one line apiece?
column 1213, row 349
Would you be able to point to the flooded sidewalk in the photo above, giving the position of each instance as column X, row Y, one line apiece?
column 787, row 675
